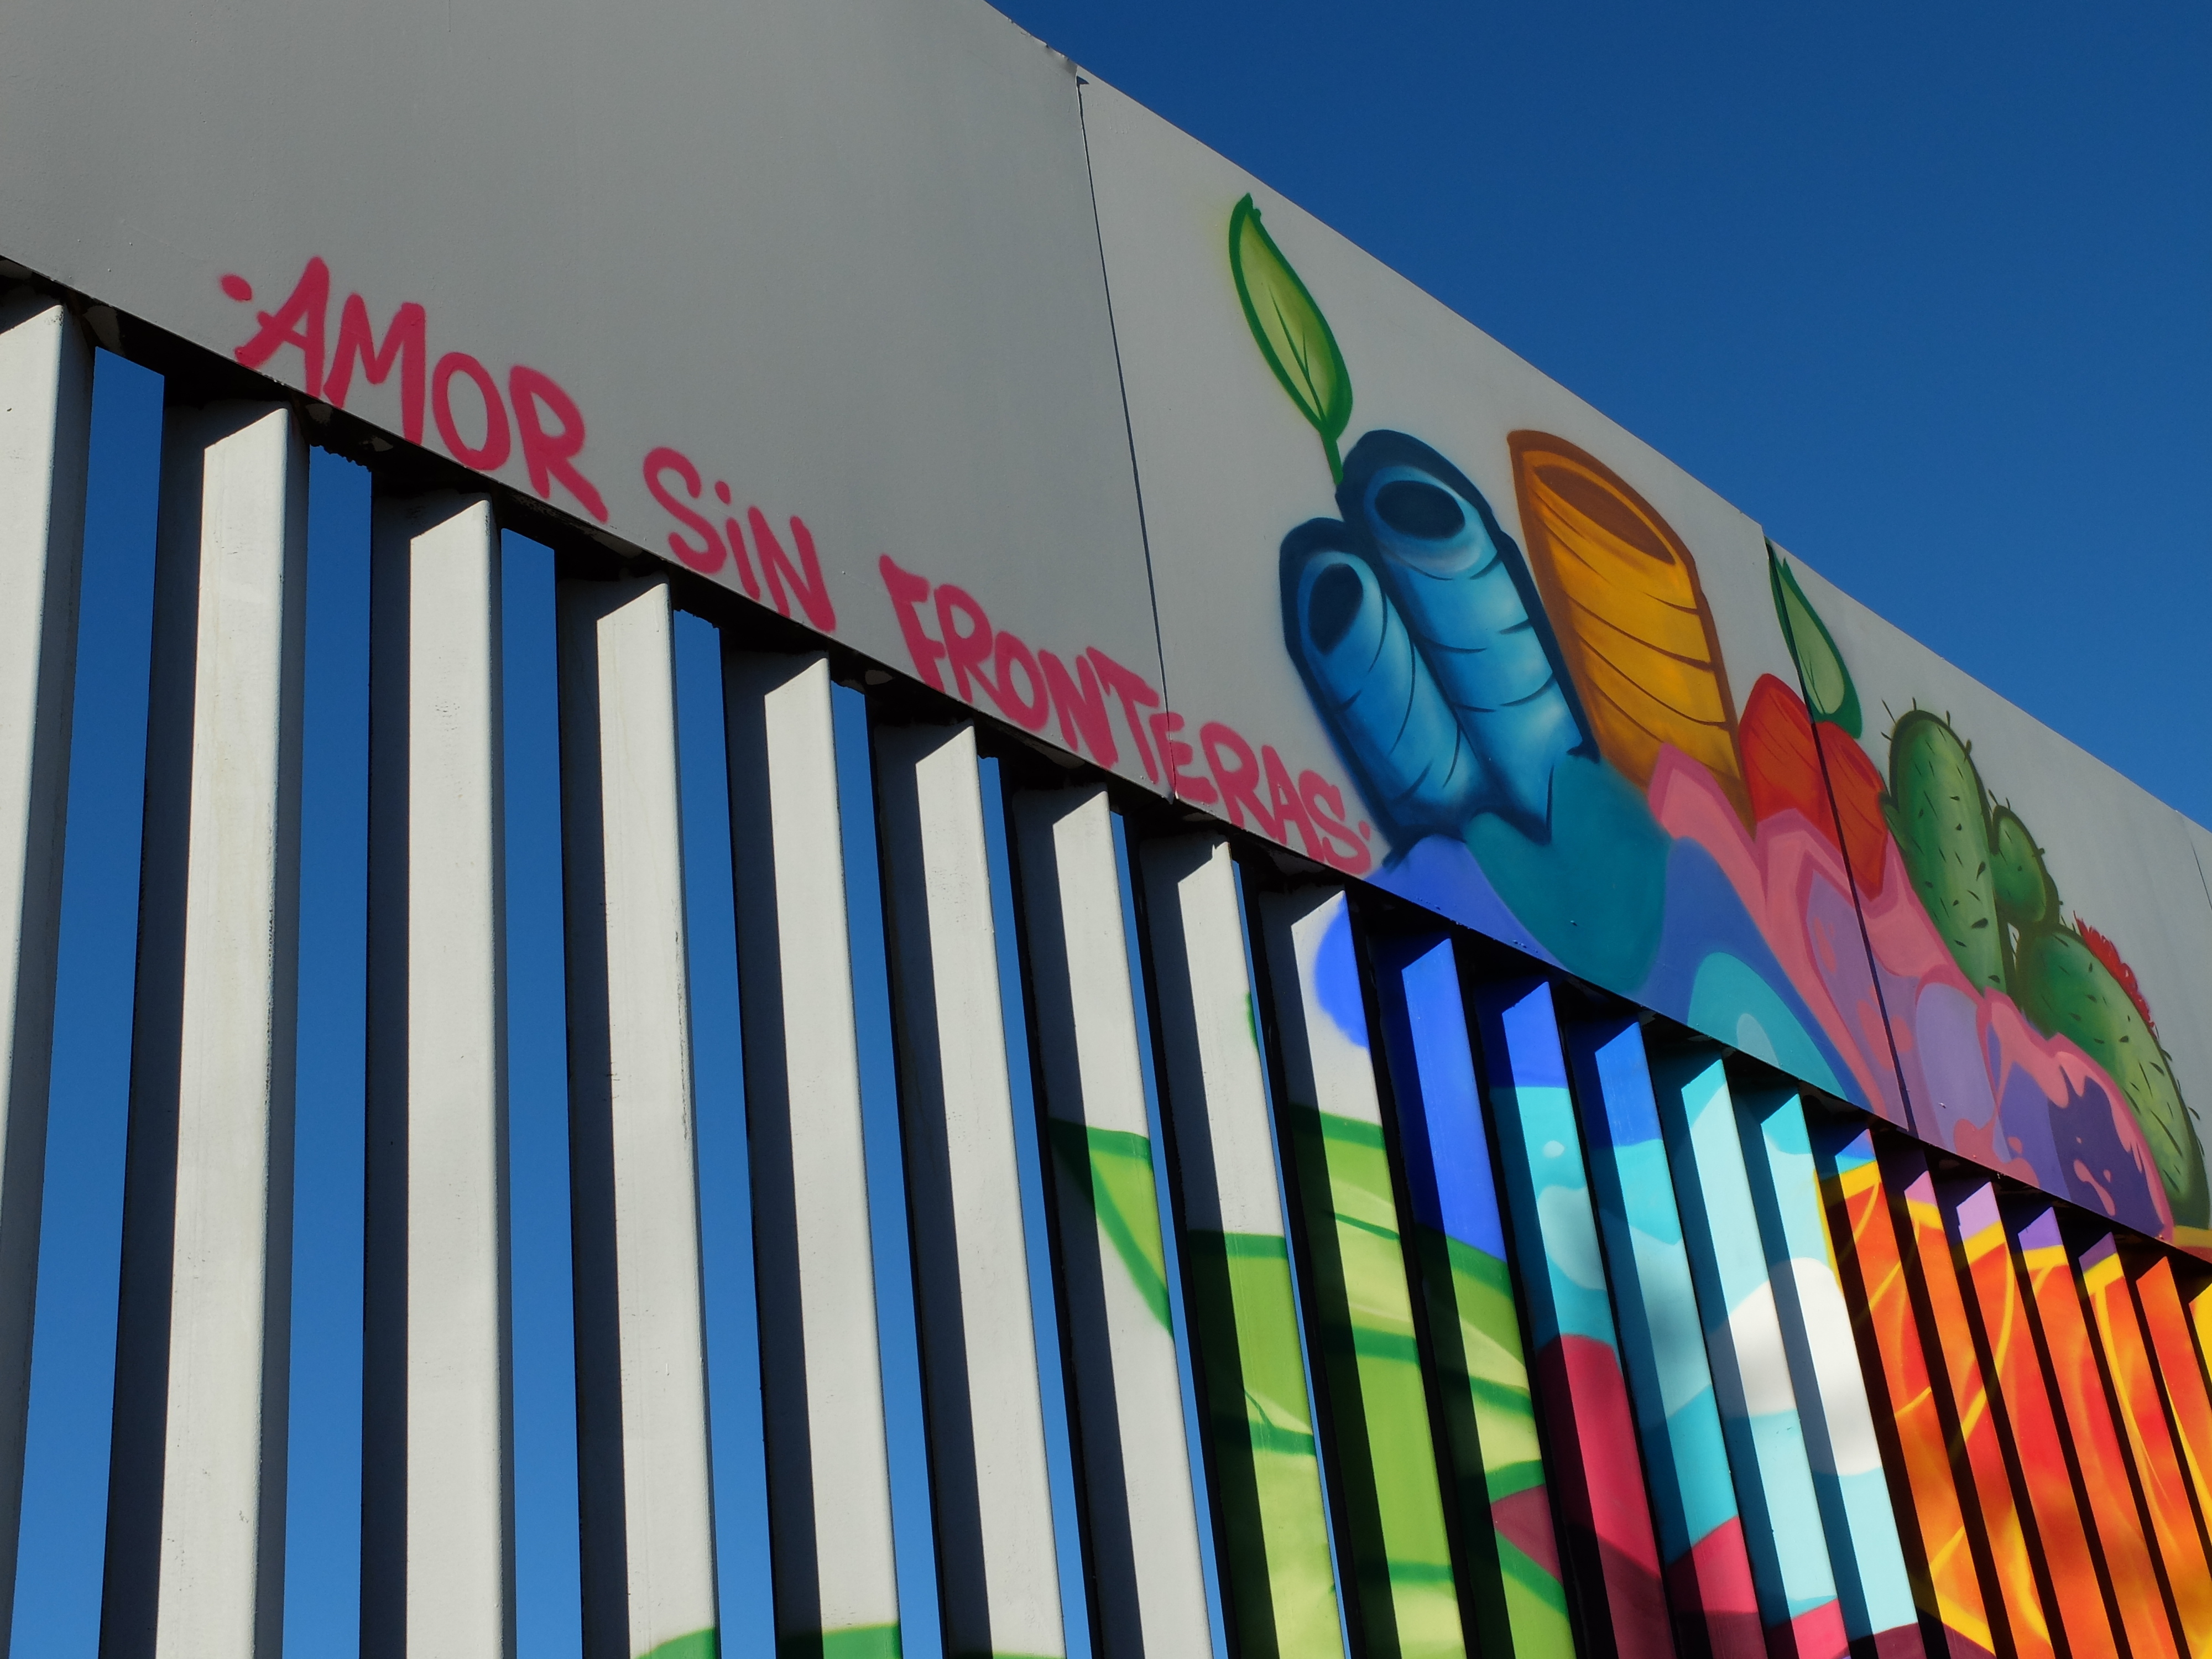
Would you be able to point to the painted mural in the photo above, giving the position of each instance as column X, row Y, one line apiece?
column 1549, row 746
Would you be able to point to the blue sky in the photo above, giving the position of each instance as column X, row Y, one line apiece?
column 1922, row 291
column 1927, row 290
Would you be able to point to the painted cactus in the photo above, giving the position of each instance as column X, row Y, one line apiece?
column 1981, row 877
column 1940, row 815
column 2066, row 988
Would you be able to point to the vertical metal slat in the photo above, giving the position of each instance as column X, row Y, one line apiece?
column 1707, row 1558
column 1507, row 1539
column 829, row 1472
column 1386, row 1450
column 1842, row 1449
column 1247, row 1341
column 1144, row 1520
column 989, row 1475
column 438, row 1521
column 196, row 1514
column 46, row 408
column 1782, row 1521
column 1575, row 1368
column 643, row 1469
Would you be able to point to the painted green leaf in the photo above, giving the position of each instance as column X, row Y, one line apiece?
column 1292, row 334
column 1829, row 693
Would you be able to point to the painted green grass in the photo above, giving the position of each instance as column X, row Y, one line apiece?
column 1115, row 1168
column 1489, row 1431
column 1281, row 1588
column 1408, row 1600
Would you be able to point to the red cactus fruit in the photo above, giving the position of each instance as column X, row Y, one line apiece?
column 2109, row 953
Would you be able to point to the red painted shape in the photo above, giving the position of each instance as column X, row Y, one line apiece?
column 1079, row 701
column 491, row 454
column 710, row 555
column 1791, row 764
column 1235, row 771
column 1324, row 804
column 1524, row 1520
column 805, row 580
column 297, row 323
column 405, row 347
column 908, row 593
column 1578, row 1387
column 1781, row 759
column 967, row 650
column 1711, row 1590
column 1816, row 1633
column 1185, row 781
column 1905, row 1642
column 1135, row 693
column 1855, row 787
column 1029, row 710
column 550, row 452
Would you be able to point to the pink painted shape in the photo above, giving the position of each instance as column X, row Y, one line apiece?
column 1794, row 884
column 1985, row 1083
column 1981, row 1082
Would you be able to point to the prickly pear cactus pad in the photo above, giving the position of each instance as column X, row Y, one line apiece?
column 1939, row 814
column 2024, row 895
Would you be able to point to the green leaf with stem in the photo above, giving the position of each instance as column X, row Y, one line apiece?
column 1829, row 693
column 1292, row 334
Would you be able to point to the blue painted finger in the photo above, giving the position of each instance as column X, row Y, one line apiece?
column 1416, row 765
column 1466, row 596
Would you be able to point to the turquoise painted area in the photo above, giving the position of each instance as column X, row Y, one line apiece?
column 1864, row 1551
column 1662, row 1336
column 1801, row 1549
column 1729, row 999
column 1870, row 1573
column 1783, row 1526
column 1730, row 1217
column 1543, row 1171
column 1789, row 1189
column 1593, row 887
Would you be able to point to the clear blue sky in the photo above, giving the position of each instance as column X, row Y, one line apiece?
column 1924, row 291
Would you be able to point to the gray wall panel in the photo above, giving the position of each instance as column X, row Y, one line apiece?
column 840, row 256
